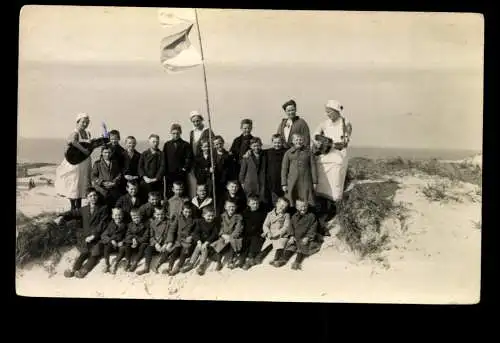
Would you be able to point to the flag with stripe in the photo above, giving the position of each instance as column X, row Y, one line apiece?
column 177, row 52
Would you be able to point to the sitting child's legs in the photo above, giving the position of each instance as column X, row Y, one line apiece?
column 148, row 253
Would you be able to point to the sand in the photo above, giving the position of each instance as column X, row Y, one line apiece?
column 436, row 260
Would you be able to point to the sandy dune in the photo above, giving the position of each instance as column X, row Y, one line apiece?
column 436, row 260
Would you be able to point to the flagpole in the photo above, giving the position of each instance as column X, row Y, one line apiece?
column 208, row 113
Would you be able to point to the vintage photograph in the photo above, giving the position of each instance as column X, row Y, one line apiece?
column 250, row 155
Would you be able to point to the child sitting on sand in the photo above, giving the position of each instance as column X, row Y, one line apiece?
column 205, row 233
column 303, row 228
column 276, row 229
column 176, row 202
column 113, row 236
column 94, row 218
column 231, row 228
column 201, row 200
column 136, row 240
column 180, row 234
column 253, row 220
column 158, row 231
column 130, row 200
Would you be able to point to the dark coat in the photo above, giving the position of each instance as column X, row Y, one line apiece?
column 299, row 126
column 131, row 163
column 240, row 146
column 178, row 157
column 298, row 173
column 274, row 159
column 205, row 232
column 114, row 232
column 175, row 206
column 138, row 231
column 158, row 232
column 224, row 170
column 103, row 172
column 232, row 226
column 253, row 176
column 253, row 222
column 152, row 164
column 180, row 230
column 196, row 148
column 125, row 203
column 92, row 224
column 116, row 154
column 302, row 226
column 146, row 211
column 199, row 205
column 202, row 173
column 240, row 200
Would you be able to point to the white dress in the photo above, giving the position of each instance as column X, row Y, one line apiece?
column 332, row 167
column 72, row 181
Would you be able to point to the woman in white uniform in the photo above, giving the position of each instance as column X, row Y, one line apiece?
column 72, row 181
column 332, row 163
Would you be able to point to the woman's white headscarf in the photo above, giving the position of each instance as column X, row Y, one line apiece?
column 195, row 113
column 335, row 105
column 81, row 116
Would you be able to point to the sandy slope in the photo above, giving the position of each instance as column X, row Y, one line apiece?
column 437, row 260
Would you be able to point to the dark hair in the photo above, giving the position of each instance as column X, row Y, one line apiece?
column 246, row 121
column 230, row 202
column 202, row 185
column 115, row 133
column 255, row 140
column 178, row 183
column 232, row 181
column 176, row 127
column 253, row 197
column 136, row 211
column 207, row 209
column 92, row 190
column 154, row 194
column 290, row 102
column 187, row 205
column 131, row 137
column 284, row 200
column 159, row 208
column 276, row 135
column 218, row 137
column 154, row 135
column 133, row 183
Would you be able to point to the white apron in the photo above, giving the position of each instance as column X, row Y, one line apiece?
column 72, row 181
column 332, row 167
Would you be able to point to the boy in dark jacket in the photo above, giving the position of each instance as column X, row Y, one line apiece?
column 94, row 217
column 274, row 158
column 231, row 228
column 113, row 236
column 241, row 144
column 136, row 238
column 253, row 171
column 158, row 231
column 303, row 228
column 235, row 194
column 224, row 166
column 205, row 233
column 147, row 210
column 152, row 167
column 106, row 177
column 203, row 167
column 180, row 234
column 116, row 150
column 130, row 200
column 131, row 159
column 178, row 159
column 253, row 221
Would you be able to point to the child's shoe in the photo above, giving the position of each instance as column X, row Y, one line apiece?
column 187, row 267
column 218, row 266
column 81, row 273
column 69, row 273
column 143, row 271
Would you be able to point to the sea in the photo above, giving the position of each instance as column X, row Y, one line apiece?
column 52, row 151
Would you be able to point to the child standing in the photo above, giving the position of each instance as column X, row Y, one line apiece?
column 176, row 202
column 201, row 200
column 136, row 239
column 180, row 234
column 130, row 200
column 113, row 236
column 231, row 228
column 158, row 231
column 203, row 167
column 303, row 228
column 298, row 172
column 94, row 217
column 235, row 194
column 152, row 167
column 253, row 220
column 253, row 171
column 205, row 233
column 276, row 229
column 116, row 150
column 274, row 159
column 241, row 144
column 223, row 166
column 131, row 159
column 106, row 177
column 178, row 159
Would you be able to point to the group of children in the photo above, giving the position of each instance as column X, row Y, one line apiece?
column 263, row 201
column 188, row 234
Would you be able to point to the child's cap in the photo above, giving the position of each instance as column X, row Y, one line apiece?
column 176, row 127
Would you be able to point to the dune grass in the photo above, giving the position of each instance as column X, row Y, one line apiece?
column 39, row 237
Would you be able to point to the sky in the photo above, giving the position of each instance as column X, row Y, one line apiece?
column 426, row 40
column 436, row 108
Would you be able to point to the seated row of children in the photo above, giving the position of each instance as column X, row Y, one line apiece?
column 187, row 234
